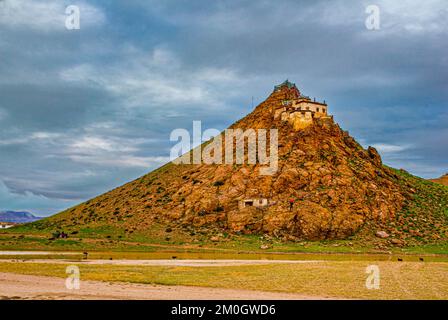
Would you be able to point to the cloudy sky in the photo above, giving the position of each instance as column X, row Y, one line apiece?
column 83, row 111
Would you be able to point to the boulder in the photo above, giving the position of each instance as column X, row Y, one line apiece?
column 382, row 234
column 397, row 242
column 374, row 155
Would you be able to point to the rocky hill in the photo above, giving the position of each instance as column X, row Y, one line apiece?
column 442, row 180
column 327, row 186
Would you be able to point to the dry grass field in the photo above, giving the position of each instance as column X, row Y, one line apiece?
column 334, row 279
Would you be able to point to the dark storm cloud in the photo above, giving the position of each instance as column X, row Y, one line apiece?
column 83, row 111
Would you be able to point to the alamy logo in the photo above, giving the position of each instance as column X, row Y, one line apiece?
column 373, row 21
column 72, row 282
column 373, row 278
column 72, row 21
column 233, row 147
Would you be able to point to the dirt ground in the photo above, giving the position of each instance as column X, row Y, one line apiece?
column 16, row 286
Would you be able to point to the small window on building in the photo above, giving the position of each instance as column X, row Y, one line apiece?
column 318, row 110
column 307, row 108
column 249, row 203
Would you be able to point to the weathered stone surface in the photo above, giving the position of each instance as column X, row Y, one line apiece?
column 382, row 234
column 374, row 155
column 396, row 242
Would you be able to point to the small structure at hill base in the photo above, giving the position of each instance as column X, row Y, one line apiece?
column 297, row 109
column 257, row 202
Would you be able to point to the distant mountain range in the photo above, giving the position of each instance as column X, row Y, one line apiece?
column 17, row 217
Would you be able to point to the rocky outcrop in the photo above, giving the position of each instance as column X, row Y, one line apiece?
column 327, row 186
column 375, row 156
